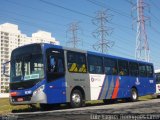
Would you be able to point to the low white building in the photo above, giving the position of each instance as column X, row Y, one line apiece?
column 43, row 36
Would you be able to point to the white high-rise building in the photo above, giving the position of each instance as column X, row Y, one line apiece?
column 11, row 38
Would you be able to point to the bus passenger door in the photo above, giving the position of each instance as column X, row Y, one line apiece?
column 55, row 76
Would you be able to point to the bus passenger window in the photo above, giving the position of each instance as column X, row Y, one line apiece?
column 149, row 70
column 60, row 65
column 56, row 64
column 121, row 71
column 52, row 64
column 83, row 68
column 76, row 62
column 133, row 67
column 95, row 64
column 110, row 66
column 82, row 63
column 123, row 67
column 72, row 67
column 142, row 70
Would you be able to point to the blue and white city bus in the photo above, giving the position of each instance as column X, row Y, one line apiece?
column 50, row 74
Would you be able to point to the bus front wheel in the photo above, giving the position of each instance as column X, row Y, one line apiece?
column 134, row 95
column 76, row 99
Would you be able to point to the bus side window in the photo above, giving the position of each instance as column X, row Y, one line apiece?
column 133, row 67
column 60, row 65
column 55, row 64
column 71, row 62
column 142, row 70
column 123, row 67
column 82, row 63
column 52, row 64
column 76, row 62
column 149, row 69
column 110, row 66
column 95, row 64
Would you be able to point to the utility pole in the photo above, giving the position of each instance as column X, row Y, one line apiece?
column 142, row 51
column 73, row 34
column 102, row 32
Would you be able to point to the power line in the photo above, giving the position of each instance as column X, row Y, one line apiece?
column 61, row 16
column 110, row 8
column 51, row 13
column 68, row 9
column 33, row 8
column 154, row 4
column 157, row 19
column 102, row 32
column 22, row 15
column 73, row 30
column 155, row 30
column 61, row 24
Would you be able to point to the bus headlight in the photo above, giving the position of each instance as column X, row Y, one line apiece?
column 40, row 89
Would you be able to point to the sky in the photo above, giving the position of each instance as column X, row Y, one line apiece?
column 55, row 16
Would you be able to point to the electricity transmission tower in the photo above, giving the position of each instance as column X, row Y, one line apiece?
column 102, row 32
column 73, row 34
column 142, row 51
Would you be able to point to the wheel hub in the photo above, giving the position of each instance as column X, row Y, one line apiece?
column 134, row 95
column 76, row 98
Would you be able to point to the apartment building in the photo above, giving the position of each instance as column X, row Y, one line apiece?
column 11, row 38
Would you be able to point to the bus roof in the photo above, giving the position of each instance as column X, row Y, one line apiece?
column 90, row 52
column 97, row 53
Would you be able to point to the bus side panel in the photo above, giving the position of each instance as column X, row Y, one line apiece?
column 126, row 83
column 143, row 90
column 98, row 86
column 77, row 80
column 152, row 85
column 110, row 87
column 147, row 86
column 56, row 91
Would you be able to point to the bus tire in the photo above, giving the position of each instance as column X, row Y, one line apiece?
column 134, row 95
column 76, row 99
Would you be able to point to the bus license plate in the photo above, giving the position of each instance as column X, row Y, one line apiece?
column 20, row 99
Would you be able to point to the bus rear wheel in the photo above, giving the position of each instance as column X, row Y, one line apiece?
column 76, row 99
column 134, row 95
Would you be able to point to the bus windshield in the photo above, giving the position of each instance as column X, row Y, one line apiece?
column 26, row 66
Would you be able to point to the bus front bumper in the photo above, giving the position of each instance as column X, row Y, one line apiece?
column 29, row 99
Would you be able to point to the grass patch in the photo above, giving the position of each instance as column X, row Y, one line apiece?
column 6, row 108
column 147, row 97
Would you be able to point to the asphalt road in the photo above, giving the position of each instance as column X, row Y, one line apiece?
column 140, row 110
